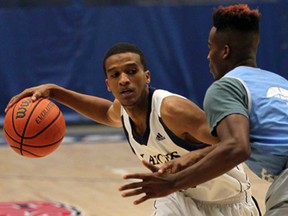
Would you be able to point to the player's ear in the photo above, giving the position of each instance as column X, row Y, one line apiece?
column 147, row 74
column 226, row 51
column 107, row 84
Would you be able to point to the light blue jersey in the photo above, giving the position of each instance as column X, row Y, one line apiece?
column 268, row 115
column 268, row 109
column 262, row 97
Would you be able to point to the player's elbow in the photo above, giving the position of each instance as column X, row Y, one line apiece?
column 241, row 151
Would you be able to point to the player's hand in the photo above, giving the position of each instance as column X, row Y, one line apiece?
column 181, row 163
column 178, row 164
column 34, row 92
column 153, row 185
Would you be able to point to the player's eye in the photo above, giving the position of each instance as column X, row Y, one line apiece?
column 114, row 74
column 131, row 71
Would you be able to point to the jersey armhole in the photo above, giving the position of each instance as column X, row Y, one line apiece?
column 246, row 89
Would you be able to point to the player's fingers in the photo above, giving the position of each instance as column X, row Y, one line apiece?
column 25, row 93
column 36, row 96
column 150, row 166
column 133, row 185
column 135, row 176
column 12, row 101
column 141, row 200
column 167, row 167
column 132, row 193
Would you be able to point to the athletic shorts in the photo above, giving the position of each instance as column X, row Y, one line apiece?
column 179, row 204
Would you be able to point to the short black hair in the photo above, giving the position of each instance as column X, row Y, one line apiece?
column 124, row 47
column 236, row 17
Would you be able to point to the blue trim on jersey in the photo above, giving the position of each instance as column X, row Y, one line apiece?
column 182, row 143
column 127, row 135
column 142, row 140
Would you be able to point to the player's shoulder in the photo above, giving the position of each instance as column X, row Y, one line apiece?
column 164, row 101
column 227, row 89
column 224, row 84
column 167, row 98
column 161, row 93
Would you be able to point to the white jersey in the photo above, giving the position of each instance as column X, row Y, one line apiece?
column 159, row 145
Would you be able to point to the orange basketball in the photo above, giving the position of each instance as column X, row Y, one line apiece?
column 34, row 129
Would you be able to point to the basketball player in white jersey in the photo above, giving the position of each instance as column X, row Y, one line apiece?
column 159, row 126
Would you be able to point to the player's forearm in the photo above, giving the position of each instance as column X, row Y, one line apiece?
column 219, row 160
column 92, row 107
column 203, row 152
column 195, row 156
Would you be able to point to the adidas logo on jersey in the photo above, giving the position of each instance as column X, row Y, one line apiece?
column 159, row 137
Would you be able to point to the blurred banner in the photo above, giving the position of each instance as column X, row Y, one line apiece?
column 63, row 42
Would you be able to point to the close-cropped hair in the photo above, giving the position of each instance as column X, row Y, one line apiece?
column 124, row 47
column 236, row 17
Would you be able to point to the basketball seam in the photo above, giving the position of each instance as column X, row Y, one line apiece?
column 33, row 146
column 26, row 151
column 26, row 125
column 51, row 123
column 29, row 152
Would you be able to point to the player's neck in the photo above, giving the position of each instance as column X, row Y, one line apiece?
column 251, row 62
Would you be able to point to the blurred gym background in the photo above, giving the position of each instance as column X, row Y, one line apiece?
column 64, row 41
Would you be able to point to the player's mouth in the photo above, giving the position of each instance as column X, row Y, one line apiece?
column 126, row 92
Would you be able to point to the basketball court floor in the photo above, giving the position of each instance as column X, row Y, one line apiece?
column 85, row 172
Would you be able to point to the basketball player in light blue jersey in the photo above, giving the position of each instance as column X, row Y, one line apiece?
column 160, row 126
column 247, row 108
column 250, row 101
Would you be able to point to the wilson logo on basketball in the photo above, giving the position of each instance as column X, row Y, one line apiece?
column 21, row 112
column 44, row 113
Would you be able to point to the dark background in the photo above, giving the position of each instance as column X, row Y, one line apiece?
column 64, row 41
